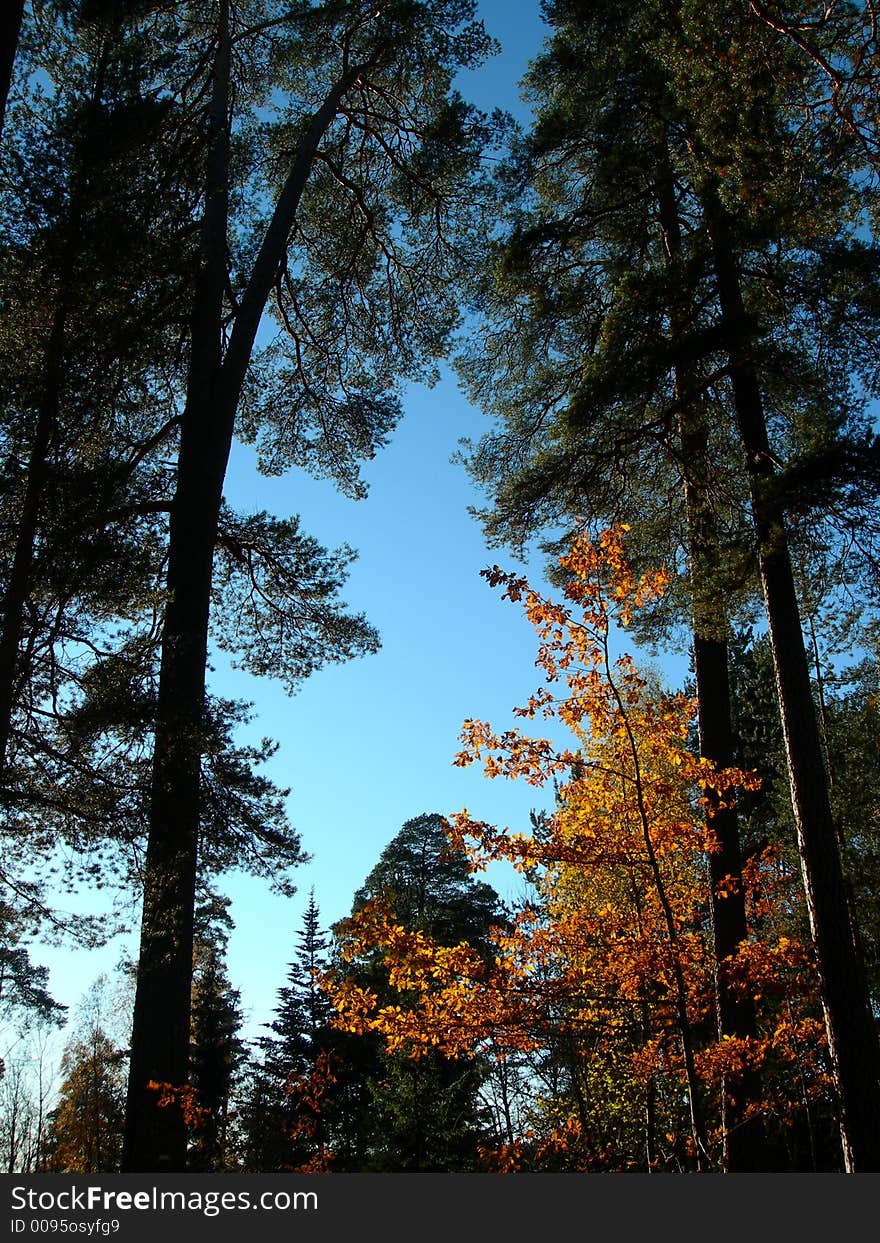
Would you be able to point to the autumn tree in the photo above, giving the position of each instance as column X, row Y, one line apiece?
column 428, row 1113
column 85, row 1135
column 616, row 959
column 87, row 1122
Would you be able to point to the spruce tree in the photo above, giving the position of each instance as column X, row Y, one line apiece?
column 216, row 1048
column 283, row 1133
column 303, row 1011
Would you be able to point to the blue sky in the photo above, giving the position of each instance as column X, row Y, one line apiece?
column 368, row 745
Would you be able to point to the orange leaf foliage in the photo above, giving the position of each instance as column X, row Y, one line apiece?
column 616, row 954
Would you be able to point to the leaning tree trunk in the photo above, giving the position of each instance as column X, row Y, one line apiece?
column 744, row 1144
column 155, row 1134
column 852, row 1036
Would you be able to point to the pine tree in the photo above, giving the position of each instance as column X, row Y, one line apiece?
column 848, row 709
column 741, row 127
column 682, row 273
column 99, row 166
column 79, row 437
column 840, row 44
column 371, row 148
column 23, row 984
column 93, row 286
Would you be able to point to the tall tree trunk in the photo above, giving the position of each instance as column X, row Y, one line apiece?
column 10, row 29
column 744, row 1145
column 852, row 1036
column 155, row 1136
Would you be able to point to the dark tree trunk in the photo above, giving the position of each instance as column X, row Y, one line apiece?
column 852, row 1036
column 744, row 1146
column 10, row 29
column 155, row 1136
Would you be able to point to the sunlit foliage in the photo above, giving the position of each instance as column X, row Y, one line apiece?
column 612, row 962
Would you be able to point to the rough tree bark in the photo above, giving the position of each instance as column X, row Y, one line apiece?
column 744, row 1144
column 155, row 1136
column 852, row 1036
